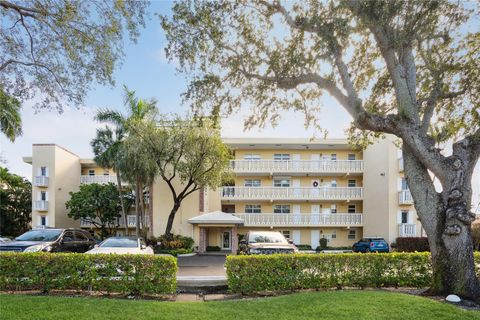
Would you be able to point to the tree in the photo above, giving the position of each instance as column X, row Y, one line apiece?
column 108, row 148
column 190, row 151
column 10, row 120
column 406, row 68
column 134, row 164
column 15, row 203
column 53, row 50
column 97, row 204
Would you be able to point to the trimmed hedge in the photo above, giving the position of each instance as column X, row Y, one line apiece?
column 304, row 247
column 213, row 248
column 419, row 244
column 173, row 252
column 286, row 272
column 128, row 274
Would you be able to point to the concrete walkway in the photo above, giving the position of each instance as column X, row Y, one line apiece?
column 201, row 274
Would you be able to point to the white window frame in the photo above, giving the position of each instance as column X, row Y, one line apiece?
column 349, row 208
column 404, row 213
column 352, row 157
column 352, row 234
column 354, row 184
column 334, row 184
column 43, row 173
column 333, row 208
column 253, row 208
column 334, row 234
column 287, row 234
column 90, row 171
column 282, row 208
column 404, row 184
column 252, row 157
column 281, row 157
column 333, row 156
column 253, row 183
column 282, row 182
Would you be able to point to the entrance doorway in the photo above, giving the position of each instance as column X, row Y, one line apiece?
column 226, row 240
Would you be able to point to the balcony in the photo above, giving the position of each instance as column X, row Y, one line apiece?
column 40, row 205
column 291, row 193
column 86, row 179
column 40, row 181
column 131, row 221
column 407, row 230
column 300, row 220
column 297, row 166
column 405, row 197
column 400, row 165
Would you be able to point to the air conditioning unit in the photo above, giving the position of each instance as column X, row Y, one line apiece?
column 315, row 183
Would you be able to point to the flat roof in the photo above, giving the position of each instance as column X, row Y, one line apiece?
column 287, row 143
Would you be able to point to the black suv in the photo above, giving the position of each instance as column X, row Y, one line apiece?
column 51, row 240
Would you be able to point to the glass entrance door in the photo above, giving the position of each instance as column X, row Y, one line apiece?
column 226, row 240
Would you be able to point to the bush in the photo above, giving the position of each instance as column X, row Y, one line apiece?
column 177, row 242
column 286, row 272
column 304, row 247
column 127, row 274
column 213, row 248
column 173, row 252
column 323, row 243
column 333, row 248
column 419, row 244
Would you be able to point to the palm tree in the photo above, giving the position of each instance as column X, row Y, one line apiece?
column 107, row 147
column 10, row 120
column 137, row 169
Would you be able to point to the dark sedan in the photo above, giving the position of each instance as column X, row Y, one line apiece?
column 51, row 240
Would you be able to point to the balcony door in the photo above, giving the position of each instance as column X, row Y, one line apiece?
column 296, row 214
column 315, row 213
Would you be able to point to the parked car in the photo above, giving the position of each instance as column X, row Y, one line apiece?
column 371, row 244
column 5, row 239
column 51, row 240
column 266, row 242
column 122, row 245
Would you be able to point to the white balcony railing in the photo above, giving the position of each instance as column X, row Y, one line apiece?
column 86, row 179
column 291, row 219
column 40, row 181
column 407, row 230
column 40, row 205
column 301, row 166
column 405, row 197
column 400, row 165
column 291, row 193
column 131, row 221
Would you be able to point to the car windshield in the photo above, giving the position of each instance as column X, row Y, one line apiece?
column 260, row 237
column 40, row 235
column 119, row 243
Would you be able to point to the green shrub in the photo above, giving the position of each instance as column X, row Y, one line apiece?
column 128, row 274
column 285, row 272
column 333, row 248
column 213, row 248
column 176, row 242
column 323, row 243
column 412, row 244
column 173, row 252
column 304, row 247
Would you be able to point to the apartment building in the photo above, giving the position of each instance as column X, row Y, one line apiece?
column 306, row 189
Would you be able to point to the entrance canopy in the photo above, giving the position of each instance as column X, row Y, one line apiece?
column 216, row 217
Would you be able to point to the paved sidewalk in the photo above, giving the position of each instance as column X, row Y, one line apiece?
column 211, row 266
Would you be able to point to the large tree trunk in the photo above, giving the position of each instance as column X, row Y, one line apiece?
column 137, row 207
column 171, row 218
column 142, row 211
column 122, row 202
column 446, row 218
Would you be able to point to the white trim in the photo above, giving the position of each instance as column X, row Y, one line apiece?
column 296, row 235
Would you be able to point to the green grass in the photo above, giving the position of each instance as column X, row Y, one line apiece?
column 312, row 305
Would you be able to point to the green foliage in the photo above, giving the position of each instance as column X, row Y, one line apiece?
column 213, row 248
column 129, row 274
column 54, row 50
column 304, row 247
column 252, row 274
column 323, row 243
column 97, row 204
column 15, row 203
column 173, row 252
column 173, row 242
column 10, row 120
column 412, row 244
column 476, row 235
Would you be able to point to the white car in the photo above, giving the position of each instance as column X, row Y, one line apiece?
column 122, row 245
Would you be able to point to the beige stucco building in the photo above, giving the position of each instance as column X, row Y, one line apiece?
column 307, row 189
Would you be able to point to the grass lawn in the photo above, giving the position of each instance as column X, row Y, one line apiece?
column 312, row 305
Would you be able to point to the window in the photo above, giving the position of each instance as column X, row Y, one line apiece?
column 286, row 234
column 80, row 237
column 352, row 183
column 68, row 237
column 334, row 183
column 351, row 208
column 252, row 182
column 333, row 208
column 106, row 173
column 281, row 208
column 334, row 234
column 404, row 216
column 351, row 156
column 91, row 172
column 43, row 220
column 281, row 156
column 43, row 195
column 352, row 234
column 251, row 157
column 281, row 182
column 404, row 184
column 253, row 208
column 333, row 156
column 43, row 171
